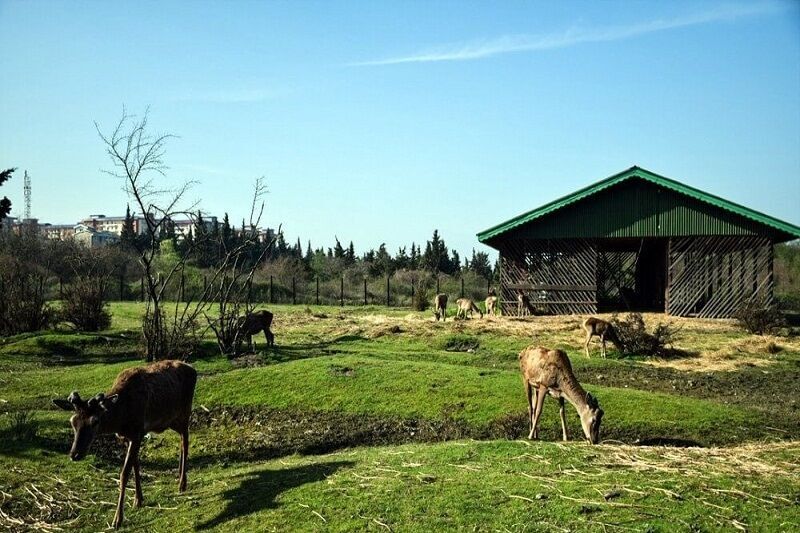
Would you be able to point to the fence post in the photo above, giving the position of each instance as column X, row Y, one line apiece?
column 294, row 292
column 462, row 286
column 341, row 292
column 365, row 291
column 271, row 293
column 387, row 291
column 317, row 290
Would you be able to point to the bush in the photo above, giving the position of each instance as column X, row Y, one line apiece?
column 634, row 339
column 84, row 305
column 23, row 304
column 758, row 317
column 421, row 297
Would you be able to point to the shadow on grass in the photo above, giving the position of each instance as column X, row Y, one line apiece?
column 260, row 490
column 293, row 352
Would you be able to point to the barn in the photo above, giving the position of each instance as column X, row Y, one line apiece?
column 638, row 241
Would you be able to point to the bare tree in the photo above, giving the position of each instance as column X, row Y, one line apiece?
column 233, row 279
column 137, row 158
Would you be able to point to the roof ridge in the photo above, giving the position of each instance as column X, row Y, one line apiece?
column 649, row 176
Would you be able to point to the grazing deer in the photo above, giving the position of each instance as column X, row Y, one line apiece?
column 550, row 372
column 491, row 305
column 146, row 399
column 255, row 323
column 597, row 327
column 524, row 307
column 440, row 307
column 464, row 306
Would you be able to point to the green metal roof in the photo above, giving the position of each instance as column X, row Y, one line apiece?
column 790, row 230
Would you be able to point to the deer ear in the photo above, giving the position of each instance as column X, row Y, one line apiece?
column 63, row 404
column 108, row 402
column 591, row 400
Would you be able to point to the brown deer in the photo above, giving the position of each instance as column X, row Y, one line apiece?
column 597, row 327
column 253, row 324
column 491, row 305
column 524, row 307
column 464, row 306
column 550, row 372
column 440, row 307
column 146, row 399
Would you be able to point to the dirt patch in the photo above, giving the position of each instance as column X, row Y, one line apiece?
column 380, row 331
column 460, row 343
column 342, row 371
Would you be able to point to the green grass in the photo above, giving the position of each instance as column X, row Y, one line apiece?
column 359, row 376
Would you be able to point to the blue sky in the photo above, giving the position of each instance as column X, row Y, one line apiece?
column 378, row 122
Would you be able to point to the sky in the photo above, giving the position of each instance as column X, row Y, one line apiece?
column 378, row 122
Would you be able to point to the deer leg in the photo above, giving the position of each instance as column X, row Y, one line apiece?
column 603, row 344
column 541, row 392
column 133, row 451
column 270, row 337
column 529, row 395
column 563, row 418
column 588, row 340
column 138, row 501
column 184, row 457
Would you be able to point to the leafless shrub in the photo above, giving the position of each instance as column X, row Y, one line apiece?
column 23, row 296
column 759, row 318
column 636, row 340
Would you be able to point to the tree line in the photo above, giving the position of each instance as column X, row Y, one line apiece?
column 206, row 244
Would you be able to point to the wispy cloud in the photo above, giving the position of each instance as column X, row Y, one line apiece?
column 574, row 36
column 229, row 96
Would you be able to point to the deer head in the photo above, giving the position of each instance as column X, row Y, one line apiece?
column 86, row 420
column 591, row 417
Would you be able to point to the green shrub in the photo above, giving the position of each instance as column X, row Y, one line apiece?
column 421, row 298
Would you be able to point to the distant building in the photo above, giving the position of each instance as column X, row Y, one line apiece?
column 8, row 223
column 114, row 224
column 57, row 231
column 266, row 235
column 182, row 226
column 92, row 238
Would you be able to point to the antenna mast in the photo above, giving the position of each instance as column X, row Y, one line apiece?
column 27, row 189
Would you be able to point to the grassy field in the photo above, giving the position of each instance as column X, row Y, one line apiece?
column 381, row 419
